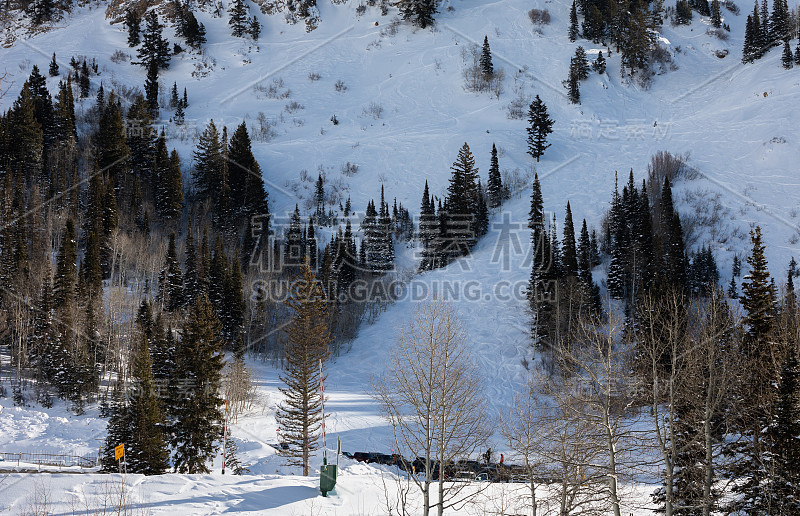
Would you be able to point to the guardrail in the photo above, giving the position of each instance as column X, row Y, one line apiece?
column 48, row 459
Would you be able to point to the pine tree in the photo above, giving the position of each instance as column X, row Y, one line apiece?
column 716, row 19
column 245, row 177
column 84, row 83
column 118, row 428
column 255, row 28
column 146, row 452
column 486, row 59
column 420, row 12
column 755, row 393
column 53, row 66
column 599, row 64
column 581, row 63
column 151, row 88
column 462, row 204
column 197, row 416
column 569, row 256
column 540, row 126
column 783, row 457
column 573, row 22
column 232, row 458
column 209, row 174
column 133, row 22
column 171, row 279
column 154, row 46
column 427, row 231
column 787, row 59
column 307, row 339
column 494, row 186
column 573, row 83
column 238, row 18
column 66, row 269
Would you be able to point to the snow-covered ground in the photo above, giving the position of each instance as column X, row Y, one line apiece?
column 738, row 124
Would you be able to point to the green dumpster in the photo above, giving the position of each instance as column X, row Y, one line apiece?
column 327, row 477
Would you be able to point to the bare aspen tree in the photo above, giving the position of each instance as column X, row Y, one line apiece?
column 597, row 396
column 434, row 399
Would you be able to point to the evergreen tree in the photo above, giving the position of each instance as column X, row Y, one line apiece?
column 573, row 22
column 246, row 182
column 540, row 126
column 53, row 66
column 210, row 174
column 783, row 457
column 133, row 22
column 573, row 83
column 462, row 204
column 84, row 83
column 255, row 28
column 232, row 458
column 146, row 451
column 66, row 269
column 420, row 12
column 486, row 59
column 155, row 48
column 427, row 231
column 716, row 19
column 151, row 88
column 197, row 416
column 118, row 428
column 238, row 18
column 305, row 349
column 754, row 394
column 482, row 214
column 787, row 59
column 494, row 186
column 171, row 279
column 581, row 63
column 599, row 64
column 779, row 25
column 569, row 256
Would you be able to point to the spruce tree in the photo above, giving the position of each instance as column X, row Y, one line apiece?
column 599, row 64
column 66, row 275
column 573, row 22
column 783, row 457
column 569, row 256
column 427, row 231
column 494, row 186
column 754, row 394
column 573, row 83
column 306, row 347
column 171, row 279
column 540, row 125
column 155, row 48
column 53, row 66
column 151, row 88
column 255, row 28
column 581, row 63
column 146, row 452
column 118, row 428
column 133, row 22
column 787, row 59
column 716, row 19
column 486, row 59
column 238, row 18
column 462, row 204
column 195, row 385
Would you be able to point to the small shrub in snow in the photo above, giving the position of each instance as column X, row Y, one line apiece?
column 361, row 9
column 293, row 107
column 720, row 33
column 264, row 130
column 539, row 16
column 340, row 86
column 119, row 56
column 374, row 110
column 314, row 76
column 518, row 107
column 349, row 169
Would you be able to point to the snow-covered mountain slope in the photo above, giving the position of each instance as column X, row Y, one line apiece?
column 402, row 117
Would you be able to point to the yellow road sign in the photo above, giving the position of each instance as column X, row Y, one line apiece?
column 119, row 451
